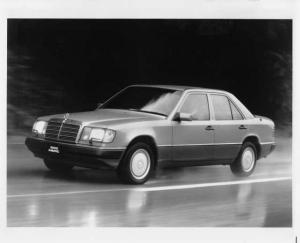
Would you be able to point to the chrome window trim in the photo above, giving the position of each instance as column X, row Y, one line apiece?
column 211, row 108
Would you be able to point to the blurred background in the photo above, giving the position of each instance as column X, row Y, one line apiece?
column 57, row 66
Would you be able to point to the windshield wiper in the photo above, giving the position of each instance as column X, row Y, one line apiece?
column 151, row 112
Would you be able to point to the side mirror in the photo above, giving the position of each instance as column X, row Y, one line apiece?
column 182, row 117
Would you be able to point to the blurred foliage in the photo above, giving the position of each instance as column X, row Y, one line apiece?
column 29, row 95
column 278, row 67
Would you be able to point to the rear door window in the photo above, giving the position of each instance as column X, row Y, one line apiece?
column 221, row 107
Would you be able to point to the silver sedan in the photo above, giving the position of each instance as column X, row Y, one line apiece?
column 144, row 127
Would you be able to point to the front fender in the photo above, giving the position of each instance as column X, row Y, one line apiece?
column 159, row 131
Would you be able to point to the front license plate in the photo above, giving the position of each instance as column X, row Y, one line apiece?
column 53, row 149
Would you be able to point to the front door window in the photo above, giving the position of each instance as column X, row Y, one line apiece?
column 197, row 106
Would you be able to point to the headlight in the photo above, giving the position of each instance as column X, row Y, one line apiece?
column 97, row 135
column 39, row 128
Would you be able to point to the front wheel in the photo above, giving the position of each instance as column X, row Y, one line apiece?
column 137, row 163
column 245, row 162
column 57, row 165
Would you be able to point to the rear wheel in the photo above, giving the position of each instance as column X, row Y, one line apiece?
column 245, row 163
column 57, row 165
column 137, row 163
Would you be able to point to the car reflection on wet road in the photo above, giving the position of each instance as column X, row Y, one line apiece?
column 195, row 196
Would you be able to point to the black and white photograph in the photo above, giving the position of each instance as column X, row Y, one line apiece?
column 99, row 111
column 150, row 123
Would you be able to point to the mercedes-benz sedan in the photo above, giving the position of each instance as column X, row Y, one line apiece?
column 146, row 126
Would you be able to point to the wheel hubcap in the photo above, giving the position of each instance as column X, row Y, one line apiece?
column 140, row 164
column 248, row 159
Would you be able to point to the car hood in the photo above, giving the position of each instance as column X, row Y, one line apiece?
column 106, row 117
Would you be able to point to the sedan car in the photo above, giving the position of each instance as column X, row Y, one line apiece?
column 144, row 127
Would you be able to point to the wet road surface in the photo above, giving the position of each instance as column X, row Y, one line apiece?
column 208, row 196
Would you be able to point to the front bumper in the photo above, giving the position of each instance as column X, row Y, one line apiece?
column 79, row 155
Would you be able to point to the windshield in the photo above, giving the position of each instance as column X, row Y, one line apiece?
column 145, row 99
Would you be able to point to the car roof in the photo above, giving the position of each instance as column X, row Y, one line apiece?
column 243, row 108
column 179, row 87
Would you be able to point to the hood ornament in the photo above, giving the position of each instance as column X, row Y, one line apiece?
column 66, row 116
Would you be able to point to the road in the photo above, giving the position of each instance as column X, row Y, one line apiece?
column 208, row 196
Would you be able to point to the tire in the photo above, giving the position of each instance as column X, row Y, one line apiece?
column 245, row 163
column 137, row 164
column 58, row 166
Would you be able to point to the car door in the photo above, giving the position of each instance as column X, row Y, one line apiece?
column 193, row 140
column 229, row 127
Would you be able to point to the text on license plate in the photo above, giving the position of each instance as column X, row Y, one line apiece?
column 53, row 149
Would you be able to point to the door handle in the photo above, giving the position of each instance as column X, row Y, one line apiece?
column 209, row 128
column 242, row 127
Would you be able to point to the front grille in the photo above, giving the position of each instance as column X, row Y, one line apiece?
column 62, row 130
